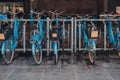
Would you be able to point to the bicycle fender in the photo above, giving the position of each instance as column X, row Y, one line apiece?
column 94, row 45
column 33, row 49
column 55, row 48
column 3, row 48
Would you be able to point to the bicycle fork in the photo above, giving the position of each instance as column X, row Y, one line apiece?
column 55, row 48
column 93, row 45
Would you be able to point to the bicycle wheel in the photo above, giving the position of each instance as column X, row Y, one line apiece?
column 56, row 54
column 92, row 56
column 56, row 59
column 7, row 54
column 37, row 54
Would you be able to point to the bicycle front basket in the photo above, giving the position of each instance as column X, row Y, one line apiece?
column 54, row 35
column 94, row 34
column 2, row 37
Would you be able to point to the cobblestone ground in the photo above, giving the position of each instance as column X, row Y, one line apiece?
column 24, row 68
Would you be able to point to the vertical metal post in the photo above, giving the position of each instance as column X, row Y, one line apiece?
column 50, row 42
column 72, row 34
column 63, row 36
column 24, row 36
column 104, row 36
column 75, row 36
column 63, row 27
column 80, row 36
column 50, row 27
column 68, row 35
column 48, row 36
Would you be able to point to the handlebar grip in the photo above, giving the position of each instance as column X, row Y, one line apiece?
column 38, row 13
column 57, row 12
column 15, row 13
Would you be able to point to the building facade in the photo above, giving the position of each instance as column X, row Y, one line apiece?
column 70, row 6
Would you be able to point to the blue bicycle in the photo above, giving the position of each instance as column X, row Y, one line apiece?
column 90, row 38
column 5, row 41
column 114, row 37
column 56, row 34
column 2, row 37
column 11, row 35
column 37, row 38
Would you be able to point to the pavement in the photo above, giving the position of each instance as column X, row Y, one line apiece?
column 24, row 68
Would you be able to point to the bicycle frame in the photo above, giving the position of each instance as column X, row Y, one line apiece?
column 55, row 45
column 90, row 43
column 38, row 36
column 16, row 33
column 14, row 38
column 62, row 32
column 113, row 40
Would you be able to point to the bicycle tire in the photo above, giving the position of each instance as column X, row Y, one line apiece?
column 92, row 56
column 8, row 54
column 56, row 55
column 56, row 59
column 37, row 55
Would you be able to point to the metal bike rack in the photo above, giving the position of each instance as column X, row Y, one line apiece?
column 78, row 40
column 68, row 27
column 71, row 27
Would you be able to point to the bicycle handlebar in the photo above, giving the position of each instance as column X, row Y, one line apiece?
column 39, row 13
column 86, row 16
column 56, row 13
column 13, row 13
